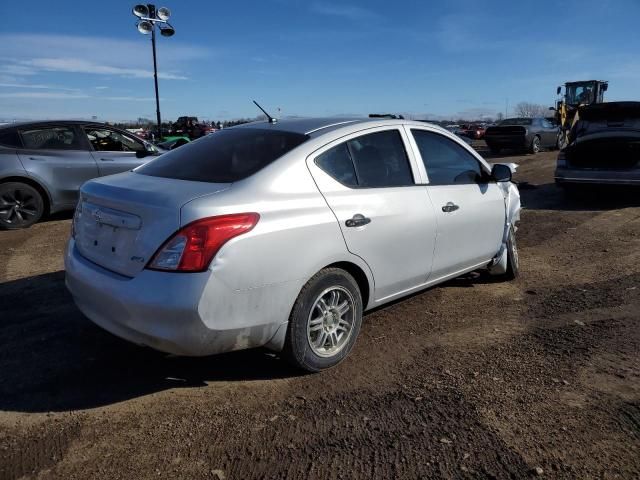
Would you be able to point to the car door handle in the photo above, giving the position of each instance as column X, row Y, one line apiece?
column 450, row 207
column 358, row 220
column 107, row 159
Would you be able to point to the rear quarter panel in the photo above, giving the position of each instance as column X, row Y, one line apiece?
column 297, row 234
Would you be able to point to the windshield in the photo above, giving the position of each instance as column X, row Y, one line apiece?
column 516, row 121
column 581, row 93
column 223, row 157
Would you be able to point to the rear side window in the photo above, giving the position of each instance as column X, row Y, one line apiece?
column 51, row 138
column 10, row 138
column 337, row 163
column 223, row 157
column 370, row 161
column 446, row 162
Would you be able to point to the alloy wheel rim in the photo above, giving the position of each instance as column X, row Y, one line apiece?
column 17, row 206
column 536, row 145
column 330, row 321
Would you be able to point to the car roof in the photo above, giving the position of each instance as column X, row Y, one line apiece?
column 310, row 126
column 42, row 123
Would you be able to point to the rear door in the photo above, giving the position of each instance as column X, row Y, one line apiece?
column 58, row 155
column 469, row 207
column 114, row 151
column 386, row 218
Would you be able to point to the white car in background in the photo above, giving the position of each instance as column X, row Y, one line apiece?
column 283, row 234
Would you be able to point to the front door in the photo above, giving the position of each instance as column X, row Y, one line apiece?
column 469, row 207
column 114, row 151
column 385, row 218
column 59, row 157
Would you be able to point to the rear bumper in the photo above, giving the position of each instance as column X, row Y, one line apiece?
column 567, row 175
column 184, row 314
column 506, row 141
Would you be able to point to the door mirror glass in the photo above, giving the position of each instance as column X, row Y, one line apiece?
column 501, row 173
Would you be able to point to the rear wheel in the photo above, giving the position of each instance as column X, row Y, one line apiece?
column 325, row 321
column 21, row 205
column 535, row 145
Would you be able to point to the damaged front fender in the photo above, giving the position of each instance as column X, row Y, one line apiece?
column 498, row 266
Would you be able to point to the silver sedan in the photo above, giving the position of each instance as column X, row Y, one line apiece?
column 282, row 234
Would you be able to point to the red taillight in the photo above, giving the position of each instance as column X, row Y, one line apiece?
column 192, row 248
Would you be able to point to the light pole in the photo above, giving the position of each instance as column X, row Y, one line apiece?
column 148, row 17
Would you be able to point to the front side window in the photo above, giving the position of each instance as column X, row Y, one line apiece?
column 106, row 140
column 51, row 138
column 226, row 156
column 446, row 162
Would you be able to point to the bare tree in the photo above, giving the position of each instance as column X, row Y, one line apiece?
column 499, row 117
column 529, row 110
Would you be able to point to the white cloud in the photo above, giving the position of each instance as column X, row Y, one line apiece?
column 30, row 54
column 350, row 12
column 74, row 65
column 72, row 96
column 36, row 86
column 48, row 95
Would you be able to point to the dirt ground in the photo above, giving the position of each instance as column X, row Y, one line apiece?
column 471, row 379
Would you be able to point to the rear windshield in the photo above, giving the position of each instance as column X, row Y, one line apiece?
column 516, row 121
column 225, row 156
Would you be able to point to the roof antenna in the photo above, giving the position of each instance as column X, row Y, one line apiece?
column 269, row 117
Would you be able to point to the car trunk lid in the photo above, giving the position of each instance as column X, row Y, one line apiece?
column 606, row 136
column 123, row 219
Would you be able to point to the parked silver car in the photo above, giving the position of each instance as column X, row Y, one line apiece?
column 43, row 165
column 282, row 234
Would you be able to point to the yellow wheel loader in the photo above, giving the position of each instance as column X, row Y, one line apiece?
column 576, row 94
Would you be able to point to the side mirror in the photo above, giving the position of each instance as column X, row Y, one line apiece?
column 558, row 90
column 501, row 173
column 553, row 109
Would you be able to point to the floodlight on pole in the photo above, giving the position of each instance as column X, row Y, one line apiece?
column 148, row 16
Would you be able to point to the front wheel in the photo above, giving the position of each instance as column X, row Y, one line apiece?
column 325, row 321
column 513, row 262
column 535, row 145
column 21, row 205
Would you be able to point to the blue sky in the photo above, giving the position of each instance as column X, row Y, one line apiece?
column 312, row 58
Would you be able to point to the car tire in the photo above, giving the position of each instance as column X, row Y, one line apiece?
column 324, row 322
column 513, row 261
column 21, row 206
column 535, row 145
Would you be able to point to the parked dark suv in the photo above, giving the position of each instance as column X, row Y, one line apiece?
column 43, row 165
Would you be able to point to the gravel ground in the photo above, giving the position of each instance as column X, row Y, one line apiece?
column 471, row 379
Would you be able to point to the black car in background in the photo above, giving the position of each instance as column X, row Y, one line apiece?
column 530, row 134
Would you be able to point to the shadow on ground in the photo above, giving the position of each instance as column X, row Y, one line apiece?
column 52, row 358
